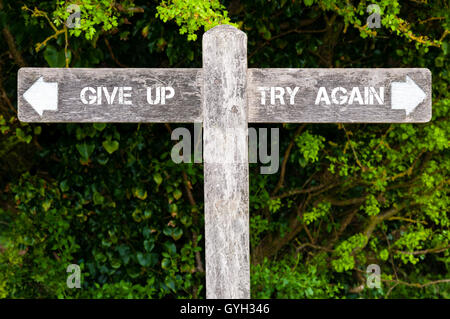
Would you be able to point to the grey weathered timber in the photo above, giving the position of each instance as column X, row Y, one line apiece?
column 226, row 163
column 308, row 81
column 184, row 106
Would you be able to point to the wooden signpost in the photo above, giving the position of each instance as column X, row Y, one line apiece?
column 225, row 96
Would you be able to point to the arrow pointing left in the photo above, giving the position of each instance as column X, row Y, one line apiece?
column 42, row 96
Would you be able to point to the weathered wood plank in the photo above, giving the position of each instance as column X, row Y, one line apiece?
column 289, row 96
column 304, row 108
column 226, row 163
column 184, row 106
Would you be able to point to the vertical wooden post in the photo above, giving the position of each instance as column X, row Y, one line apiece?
column 225, row 120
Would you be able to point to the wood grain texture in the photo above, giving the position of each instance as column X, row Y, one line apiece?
column 226, row 163
column 185, row 106
column 309, row 81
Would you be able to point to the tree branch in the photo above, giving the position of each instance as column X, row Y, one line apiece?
column 285, row 159
column 425, row 251
column 111, row 53
column 318, row 188
column 15, row 53
column 188, row 187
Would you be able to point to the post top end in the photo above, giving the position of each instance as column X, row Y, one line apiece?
column 223, row 28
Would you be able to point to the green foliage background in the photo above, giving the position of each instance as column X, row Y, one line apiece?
column 108, row 197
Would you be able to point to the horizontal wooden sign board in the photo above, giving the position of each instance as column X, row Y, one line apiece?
column 109, row 95
column 273, row 95
column 339, row 95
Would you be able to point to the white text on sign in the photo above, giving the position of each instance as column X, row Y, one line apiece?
column 278, row 93
column 122, row 95
column 338, row 95
column 341, row 96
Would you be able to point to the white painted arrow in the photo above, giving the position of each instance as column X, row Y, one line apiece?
column 42, row 96
column 406, row 95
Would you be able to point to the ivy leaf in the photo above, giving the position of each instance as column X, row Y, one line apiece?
column 102, row 159
column 171, row 248
column 149, row 245
column 177, row 233
column 124, row 252
column 115, row 263
column 146, row 232
column 64, row 186
column 177, row 194
column 22, row 136
column 140, row 193
column 98, row 198
column 167, row 231
column 144, row 259
column 157, row 178
column 55, row 58
column 111, row 146
column 171, row 284
column 147, row 213
column 165, row 263
column 99, row 126
column 384, row 254
column 47, row 204
column 85, row 150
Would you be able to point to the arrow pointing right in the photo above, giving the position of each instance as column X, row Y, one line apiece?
column 406, row 95
column 42, row 96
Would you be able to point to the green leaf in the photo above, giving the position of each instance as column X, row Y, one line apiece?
column 85, row 150
column 38, row 130
column 64, row 186
column 22, row 136
column 111, row 146
column 124, row 252
column 99, row 126
column 157, row 178
column 46, row 204
column 149, row 245
column 115, row 263
column 147, row 213
column 55, row 58
column 177, row 194
column 384, row 254
column 165, row 263
column 144, row 259
column 146, row 232
column 171, row 284
column 98, row 198
column 170, row 247
column 102, row 159
column 167, row 231
column 140, row 193
column 445, row 47
column 177, row 233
